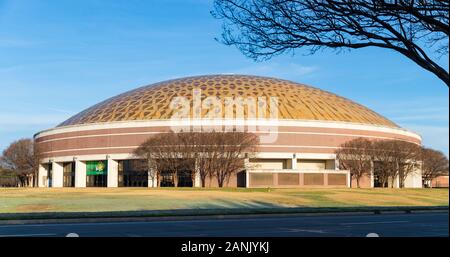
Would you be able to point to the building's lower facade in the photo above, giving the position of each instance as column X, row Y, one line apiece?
column 70, row 160
column 95, row 147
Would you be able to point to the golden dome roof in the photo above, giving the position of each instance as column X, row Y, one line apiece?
column 295, row 101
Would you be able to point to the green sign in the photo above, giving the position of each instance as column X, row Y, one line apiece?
column 96, row 168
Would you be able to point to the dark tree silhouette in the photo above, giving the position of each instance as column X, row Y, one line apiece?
column 418, row 29
column 210, row 154
column 434, row 164
column 355, row 156
column 21, row 157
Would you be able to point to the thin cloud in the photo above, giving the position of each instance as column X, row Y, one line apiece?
column 17, row 43
column 433, row 136
column 422, row 117
column 9, row 69
column 430, row 111
column 285, row 70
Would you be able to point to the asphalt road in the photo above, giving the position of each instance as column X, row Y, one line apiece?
column 417, row 224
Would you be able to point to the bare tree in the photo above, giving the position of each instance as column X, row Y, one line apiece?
column 148, row 152
column 394, row 159
column 408, row 158
column 382, row 160
column 209, row 154
column 417, row 29
column 381, row 172
column 355, row 155
column 434, row 164
column 201, row 149
column 232, row 148
column 161, row 153
column 22, row 158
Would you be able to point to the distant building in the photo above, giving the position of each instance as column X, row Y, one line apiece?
column 303, row 126
column 441, row 181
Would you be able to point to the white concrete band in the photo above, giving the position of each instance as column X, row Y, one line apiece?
column 227, row 122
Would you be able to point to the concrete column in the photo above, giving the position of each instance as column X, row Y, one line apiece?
column 113, row 172
column 247, row 179
column 372, row 177
column 247, row 166
column 152, row 182
column 80, row 173
column 349, row 178
column 294, row 161
column 397, row 182
column 42, row 176
column 336, row 164
column 197, row 179
column 414, row 179
column 152, row 178
column 247, row 163
column 57, row 174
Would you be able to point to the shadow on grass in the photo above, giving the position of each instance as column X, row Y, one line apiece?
column 230, row 204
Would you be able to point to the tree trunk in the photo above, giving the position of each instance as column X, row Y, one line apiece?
column 203, row 179
column 175, row 179
column 219, row 181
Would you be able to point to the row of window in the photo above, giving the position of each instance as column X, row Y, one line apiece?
column 131, row 173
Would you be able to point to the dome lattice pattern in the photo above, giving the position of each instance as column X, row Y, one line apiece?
column 295, row 101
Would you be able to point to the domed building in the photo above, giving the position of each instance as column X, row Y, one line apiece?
column 300, row 129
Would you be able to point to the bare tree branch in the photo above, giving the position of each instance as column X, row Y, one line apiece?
column 261, row 29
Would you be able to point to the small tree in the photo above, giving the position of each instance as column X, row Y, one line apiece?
column 434, row 164
column 355, row 155
column 22, row 158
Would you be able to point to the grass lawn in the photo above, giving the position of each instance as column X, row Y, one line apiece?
column 18, row 200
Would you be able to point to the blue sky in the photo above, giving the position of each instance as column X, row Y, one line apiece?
column 60, row 57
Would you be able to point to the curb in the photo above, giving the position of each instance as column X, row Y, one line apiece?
column 209, row 216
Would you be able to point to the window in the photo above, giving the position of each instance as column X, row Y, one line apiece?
column 69, row 174
column 133, row 173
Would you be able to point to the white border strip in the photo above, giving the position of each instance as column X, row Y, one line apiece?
column 257, row 132
column 136, row 146
column 227, row 122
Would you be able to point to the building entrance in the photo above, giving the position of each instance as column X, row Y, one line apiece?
column 96, row 174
